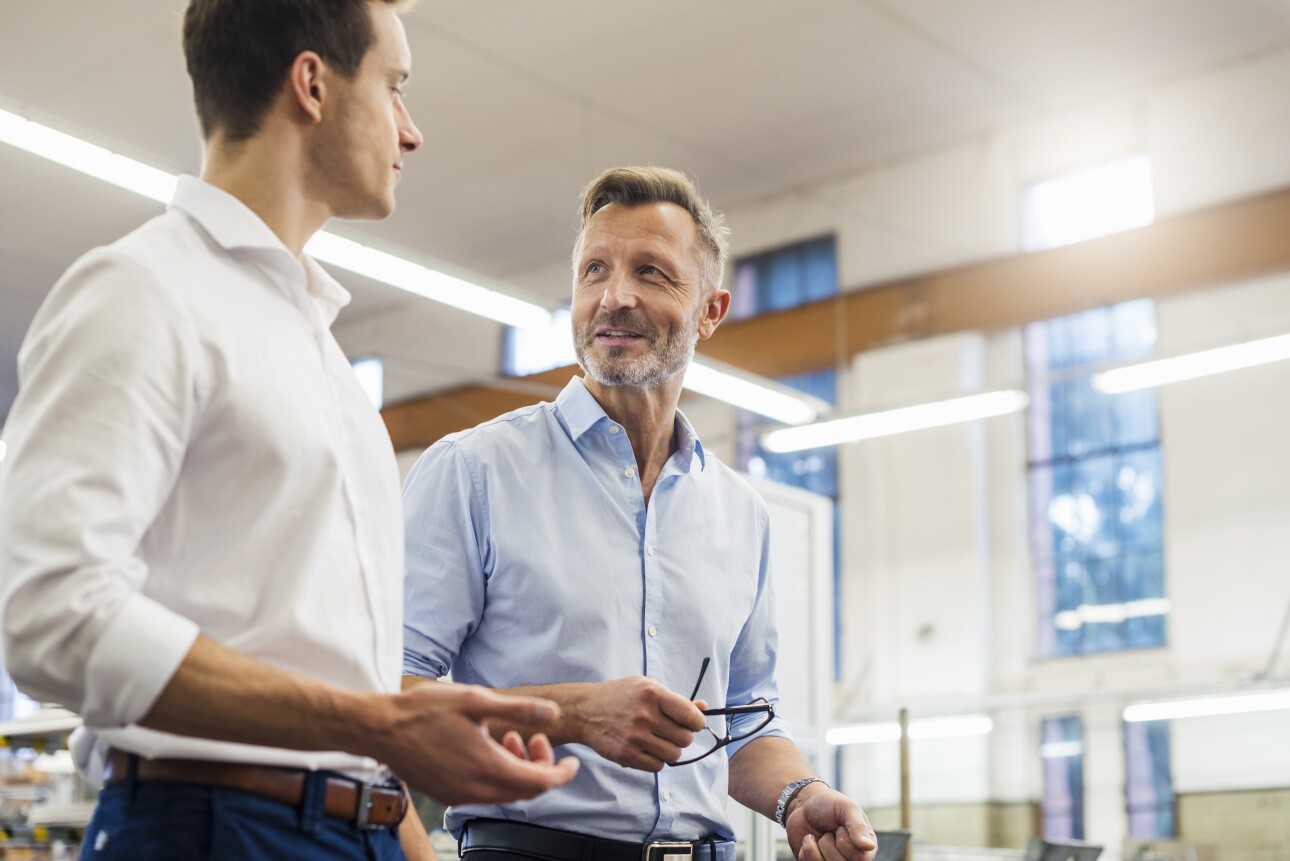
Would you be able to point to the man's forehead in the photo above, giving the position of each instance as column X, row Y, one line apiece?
column 649, row 223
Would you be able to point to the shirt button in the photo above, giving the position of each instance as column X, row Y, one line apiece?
column 613, row 428
column 652, row 631
column 649, row 549
column 667, row 796
column 629, row 472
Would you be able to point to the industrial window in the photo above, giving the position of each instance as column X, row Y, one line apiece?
column 1095, row 486
column 531, row 351
column 1093, row 201
column 1062, row 751
column 371, row 376
column 1148, row 782
column 784, row 278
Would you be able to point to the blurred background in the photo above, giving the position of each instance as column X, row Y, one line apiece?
column 929, row 199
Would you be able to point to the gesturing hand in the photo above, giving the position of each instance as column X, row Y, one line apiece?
column 825, row 825
column 636, row 722
column 439, row 743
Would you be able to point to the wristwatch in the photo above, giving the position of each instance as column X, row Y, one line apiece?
column 790, row 792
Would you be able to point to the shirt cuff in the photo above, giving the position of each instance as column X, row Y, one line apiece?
column 777, row 728
column 133, row 660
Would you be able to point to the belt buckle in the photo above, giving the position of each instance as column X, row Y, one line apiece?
column 668, row 851
column 364, row 807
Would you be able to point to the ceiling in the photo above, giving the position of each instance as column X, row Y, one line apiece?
column 521, row 103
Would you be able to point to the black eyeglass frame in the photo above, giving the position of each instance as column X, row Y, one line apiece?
column 758, row 706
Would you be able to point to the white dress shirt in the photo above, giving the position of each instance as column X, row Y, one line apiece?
column 189, row 452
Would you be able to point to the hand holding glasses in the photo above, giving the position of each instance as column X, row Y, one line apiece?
column 758, row 706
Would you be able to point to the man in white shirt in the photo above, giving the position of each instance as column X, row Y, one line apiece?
column 201, row 544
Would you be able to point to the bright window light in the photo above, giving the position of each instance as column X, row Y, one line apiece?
column 1193, row 365
column 158, row 185
column 371, row 376
column 753, row 393
column 894, row 421
column 1208, row 706
column 943, row 727
column 532, row 351
column 1095, row 201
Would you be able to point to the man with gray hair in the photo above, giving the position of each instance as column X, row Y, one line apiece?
column 590, row 551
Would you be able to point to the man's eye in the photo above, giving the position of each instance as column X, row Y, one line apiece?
column 594, row 268
column 650, row 270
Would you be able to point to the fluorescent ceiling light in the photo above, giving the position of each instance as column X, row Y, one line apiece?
column 460, row 290
column 750, row 392
column 1192, row 365
column 887, row 422
column 1207, row 706
column 1088, row 614
column 158, row 185
column 1061, row 749
column 945, row 727
column 428, row 283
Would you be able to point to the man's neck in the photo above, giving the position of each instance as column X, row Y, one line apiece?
column 268, row 175
column 649, row 418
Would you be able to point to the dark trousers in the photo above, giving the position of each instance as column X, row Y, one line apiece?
column 199, row 822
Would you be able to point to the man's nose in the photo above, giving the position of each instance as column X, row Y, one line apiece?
column 410, row 138
column 619, row 293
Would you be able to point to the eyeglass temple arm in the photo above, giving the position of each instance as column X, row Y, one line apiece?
column 702, row 671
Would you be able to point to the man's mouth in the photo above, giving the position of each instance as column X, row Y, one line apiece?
column 618, row 335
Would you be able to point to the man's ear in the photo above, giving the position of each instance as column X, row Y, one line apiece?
column 715, row 306
column 306, row 84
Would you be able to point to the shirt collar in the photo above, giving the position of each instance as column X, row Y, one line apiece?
column 582, row 412
column 232, row 224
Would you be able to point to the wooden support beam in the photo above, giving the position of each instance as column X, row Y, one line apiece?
column 1200, row 249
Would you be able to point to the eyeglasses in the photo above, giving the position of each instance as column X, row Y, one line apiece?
column 758, row 706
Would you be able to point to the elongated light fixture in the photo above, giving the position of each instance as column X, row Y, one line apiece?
column 893, row 421
column 1192, row 365
column 441, row 284
column 1208, row 706
column 154, row 184
column 750, row 392
column 942, row 727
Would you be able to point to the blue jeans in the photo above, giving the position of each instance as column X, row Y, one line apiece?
column 200, row 822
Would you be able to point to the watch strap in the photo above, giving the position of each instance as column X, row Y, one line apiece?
column 790, row 792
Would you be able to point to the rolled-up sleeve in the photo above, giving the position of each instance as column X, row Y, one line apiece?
column 752, row 663
column 95, row 440
column 447, row 559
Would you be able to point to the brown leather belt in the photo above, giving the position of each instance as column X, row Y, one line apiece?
column 369, row 806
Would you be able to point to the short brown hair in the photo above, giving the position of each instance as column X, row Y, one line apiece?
column 239, row 51
column 634, row 186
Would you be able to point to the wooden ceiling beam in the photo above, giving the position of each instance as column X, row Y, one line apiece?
column 1205, row 248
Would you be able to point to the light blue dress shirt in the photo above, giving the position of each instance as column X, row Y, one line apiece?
column 532, row 559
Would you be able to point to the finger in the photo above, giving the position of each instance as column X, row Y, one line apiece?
column 482, row 704
column 829, row 849
column 513, row 779
column 701, row 705
column 849, row 849
column 681, row 710
column 810, row 851
column 540, row 749
column 514, row 743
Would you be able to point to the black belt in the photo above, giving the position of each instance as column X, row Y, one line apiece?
column 554, row 845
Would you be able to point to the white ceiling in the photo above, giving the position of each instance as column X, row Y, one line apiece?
column 522, row 102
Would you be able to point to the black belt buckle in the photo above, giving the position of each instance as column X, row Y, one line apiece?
column 364, row 809
column 665, row 851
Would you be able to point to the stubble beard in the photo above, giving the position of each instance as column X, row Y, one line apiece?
column 667, row 355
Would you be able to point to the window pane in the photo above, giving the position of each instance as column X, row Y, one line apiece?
column 1095, row 486
column 1148, row 782
column 1062, row 753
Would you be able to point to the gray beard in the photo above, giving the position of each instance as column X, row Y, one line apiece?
column 665, row 359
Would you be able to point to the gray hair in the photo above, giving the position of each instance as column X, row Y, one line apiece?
column 634, row 186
